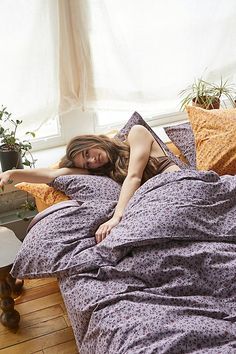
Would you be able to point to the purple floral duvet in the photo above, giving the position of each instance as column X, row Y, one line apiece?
column 163, row 281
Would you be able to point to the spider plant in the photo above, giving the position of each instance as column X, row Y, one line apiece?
column 224, row 89
column 208, row 95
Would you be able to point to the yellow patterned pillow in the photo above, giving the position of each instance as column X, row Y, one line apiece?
column 215, row 139
column 44, row 195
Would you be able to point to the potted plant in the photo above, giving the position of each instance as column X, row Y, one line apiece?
column 14, row 153
column 208, row 95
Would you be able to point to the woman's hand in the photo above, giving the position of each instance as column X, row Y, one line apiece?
column 5, row 178
column 105, row 229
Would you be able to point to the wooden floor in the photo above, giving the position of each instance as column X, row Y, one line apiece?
column 44, row 327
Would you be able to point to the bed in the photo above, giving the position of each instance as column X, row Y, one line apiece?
column 163, row 281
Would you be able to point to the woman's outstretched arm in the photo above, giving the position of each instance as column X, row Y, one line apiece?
column 140, row 141
column 37, row 175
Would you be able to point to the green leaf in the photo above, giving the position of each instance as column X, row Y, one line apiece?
column 31, row 133
column 26, row 163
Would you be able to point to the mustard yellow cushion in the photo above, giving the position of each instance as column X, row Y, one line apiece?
column 215, row 139
column 44, row 195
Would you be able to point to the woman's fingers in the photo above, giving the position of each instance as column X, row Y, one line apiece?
column 4, row 179
column 98, row 238
column 102, row 232
column 105, row 229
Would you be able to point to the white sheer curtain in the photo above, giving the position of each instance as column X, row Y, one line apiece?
column 144, row 52
column 110, row 55
column 44, row 62
column 74, row 55
column 29, row 60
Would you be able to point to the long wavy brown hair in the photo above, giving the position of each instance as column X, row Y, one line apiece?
column 117, row 152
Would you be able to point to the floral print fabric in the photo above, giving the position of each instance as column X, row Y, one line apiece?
column 49, row 247
column 86, row 187
column 163, row 281
column 214, row 132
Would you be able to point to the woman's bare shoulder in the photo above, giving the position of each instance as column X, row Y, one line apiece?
column 139, row 132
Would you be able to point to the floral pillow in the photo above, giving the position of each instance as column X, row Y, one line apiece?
column 61, row 239
column 182, row 136
column 63, row 231
column 87, row 187
column 137, row 119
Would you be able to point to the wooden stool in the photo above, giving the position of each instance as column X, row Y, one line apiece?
column 9, row 246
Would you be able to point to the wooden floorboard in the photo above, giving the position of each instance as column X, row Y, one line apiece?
column 44, row 327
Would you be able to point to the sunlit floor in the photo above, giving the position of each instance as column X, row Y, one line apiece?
column 44, row 326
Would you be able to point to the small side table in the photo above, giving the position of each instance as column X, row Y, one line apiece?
column 9, row 246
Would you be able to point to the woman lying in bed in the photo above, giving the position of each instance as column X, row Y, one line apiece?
column 129, row 163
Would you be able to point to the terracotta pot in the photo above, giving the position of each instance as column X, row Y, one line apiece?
column 10, row 159
column 202, row 102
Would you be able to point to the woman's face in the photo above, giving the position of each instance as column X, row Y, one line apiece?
column 91, row 158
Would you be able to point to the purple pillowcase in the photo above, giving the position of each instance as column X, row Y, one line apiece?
column 53, row 243
column 61, row 239
column 85, row 188
column 136, row 119
column 182, row 136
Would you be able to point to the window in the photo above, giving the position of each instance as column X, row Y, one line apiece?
column 144, row 52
